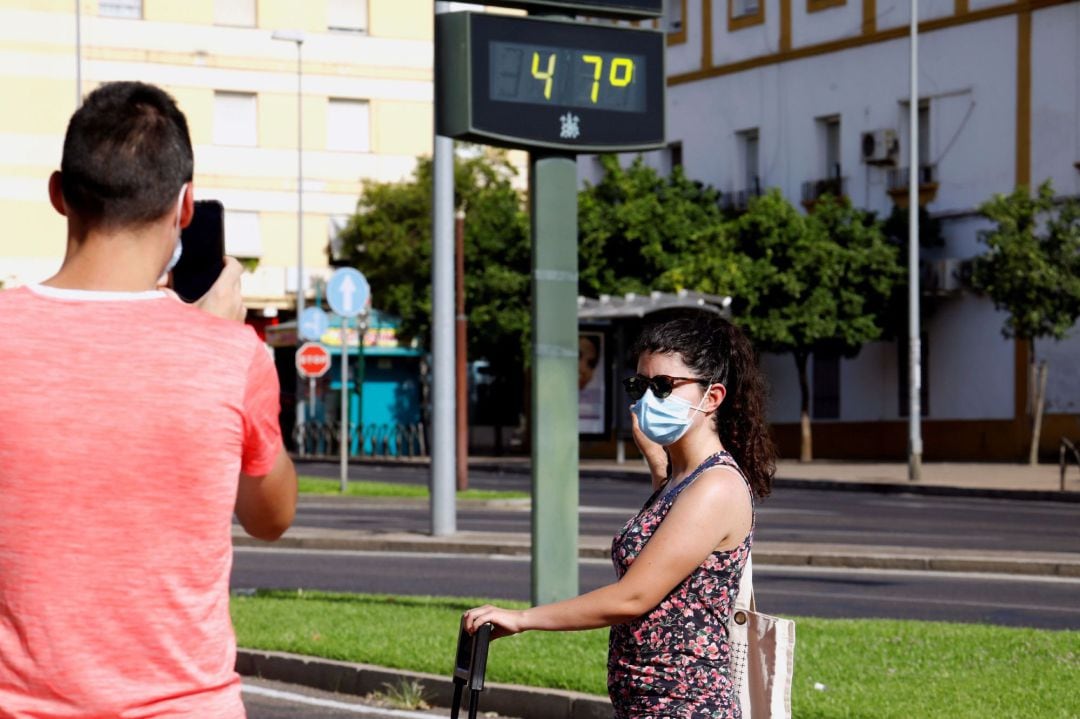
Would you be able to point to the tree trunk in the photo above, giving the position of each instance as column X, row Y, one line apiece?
column 1040, row 403
column 806, row 442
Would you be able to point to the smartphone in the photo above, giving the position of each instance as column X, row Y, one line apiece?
column 203, row 257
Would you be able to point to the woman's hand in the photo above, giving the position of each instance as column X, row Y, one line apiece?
column 655, row 455
column 506, row 621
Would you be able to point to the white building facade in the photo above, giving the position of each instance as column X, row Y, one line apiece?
column 812, row 95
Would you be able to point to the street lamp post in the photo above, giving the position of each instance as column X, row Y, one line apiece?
column 915, row 449
column 297, row 36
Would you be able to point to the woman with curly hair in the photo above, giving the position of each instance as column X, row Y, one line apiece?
column 699, row 420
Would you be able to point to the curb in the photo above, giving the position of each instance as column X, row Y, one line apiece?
column 778, row 555
column 361, row 679
column 832, row 485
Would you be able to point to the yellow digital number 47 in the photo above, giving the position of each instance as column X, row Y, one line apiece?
column 547, row 76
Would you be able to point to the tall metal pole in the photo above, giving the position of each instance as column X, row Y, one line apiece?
column 345, row 403
column 461, row 327
column 299, row 182
column 915, row 448
column 443, row 451
column 78, row 54
column 555, row 459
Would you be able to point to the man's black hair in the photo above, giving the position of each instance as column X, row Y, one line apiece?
column 127, row 152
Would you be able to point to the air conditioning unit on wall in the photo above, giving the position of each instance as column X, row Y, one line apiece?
column 880, row 147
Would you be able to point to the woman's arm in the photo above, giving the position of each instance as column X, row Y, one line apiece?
column 714, row 508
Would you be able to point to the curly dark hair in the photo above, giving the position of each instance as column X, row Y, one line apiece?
column 716, row 349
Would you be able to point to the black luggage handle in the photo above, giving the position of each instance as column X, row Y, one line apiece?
column 470, row 663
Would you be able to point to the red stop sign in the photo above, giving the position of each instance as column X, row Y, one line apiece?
column 312, row 360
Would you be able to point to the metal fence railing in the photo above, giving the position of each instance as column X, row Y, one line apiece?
column 317, row 439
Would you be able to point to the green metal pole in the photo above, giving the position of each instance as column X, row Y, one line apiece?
column 553, row 187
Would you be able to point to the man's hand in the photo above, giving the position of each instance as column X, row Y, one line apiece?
column 224, row 298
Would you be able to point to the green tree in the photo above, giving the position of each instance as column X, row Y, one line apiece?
column 634, row 226
column 801, row 283
column 1031, row 270
column 389, row 239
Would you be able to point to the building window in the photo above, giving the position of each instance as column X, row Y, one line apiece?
column 675, row 155
column 121, row 8
column 673, row 14
column 745, row 13
column 826, row 386
column 902, row 365
column 347, row 15
column 348, row 125
column 924, row 133
column 243, row 239
column 748, row 152
column 675, row 21
column 829, row 131
column 235, row 119
column 238, row 13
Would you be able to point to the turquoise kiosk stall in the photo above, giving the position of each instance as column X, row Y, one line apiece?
column 386, row 407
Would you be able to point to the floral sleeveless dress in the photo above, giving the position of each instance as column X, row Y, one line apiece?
column 674, row 660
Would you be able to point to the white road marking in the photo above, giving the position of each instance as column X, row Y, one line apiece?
column 774, row 569
column 331, row 704
column 846, row 596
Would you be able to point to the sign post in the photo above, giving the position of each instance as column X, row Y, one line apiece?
column 312, row 326
column 556, row 88
column 348, row 295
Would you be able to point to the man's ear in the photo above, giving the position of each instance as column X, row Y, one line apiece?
column 187, row 207
column 56, row 193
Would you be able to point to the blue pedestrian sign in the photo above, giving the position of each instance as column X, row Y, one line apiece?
column 313, row 324
column 348, row 292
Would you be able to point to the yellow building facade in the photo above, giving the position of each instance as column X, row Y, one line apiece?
column 367, row 86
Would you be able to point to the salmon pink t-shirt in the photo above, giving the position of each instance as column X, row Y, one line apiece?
column 125, row 420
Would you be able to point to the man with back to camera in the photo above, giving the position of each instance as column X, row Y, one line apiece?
column 134, row 426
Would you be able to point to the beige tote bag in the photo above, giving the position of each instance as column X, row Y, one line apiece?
column 762, row 655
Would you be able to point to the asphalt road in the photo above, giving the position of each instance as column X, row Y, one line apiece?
column 1047, row 602
column 790, row 515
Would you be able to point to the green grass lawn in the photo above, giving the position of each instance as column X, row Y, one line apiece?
column 870, row 668
column 321, row 485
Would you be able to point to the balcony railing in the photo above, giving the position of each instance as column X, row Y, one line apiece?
column 739, row 200
column 898, row 177
column 898, row 185
column 814, row 189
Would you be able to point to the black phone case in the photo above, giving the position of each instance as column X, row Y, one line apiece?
column 202, row 259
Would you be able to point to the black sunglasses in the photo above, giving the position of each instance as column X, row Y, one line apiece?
column 661, row 385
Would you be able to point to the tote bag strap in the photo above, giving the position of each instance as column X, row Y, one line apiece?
column 745, row 598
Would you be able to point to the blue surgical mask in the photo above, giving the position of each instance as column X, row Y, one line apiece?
column 665, row 421
column 179, row 250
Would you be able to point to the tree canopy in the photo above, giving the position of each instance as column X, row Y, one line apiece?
column 1031, row 269
column 389, row 239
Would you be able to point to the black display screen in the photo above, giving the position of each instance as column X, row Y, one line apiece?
column 546, row 75
column 575, row 86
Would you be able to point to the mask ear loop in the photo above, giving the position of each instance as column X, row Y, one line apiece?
column 705, row 396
